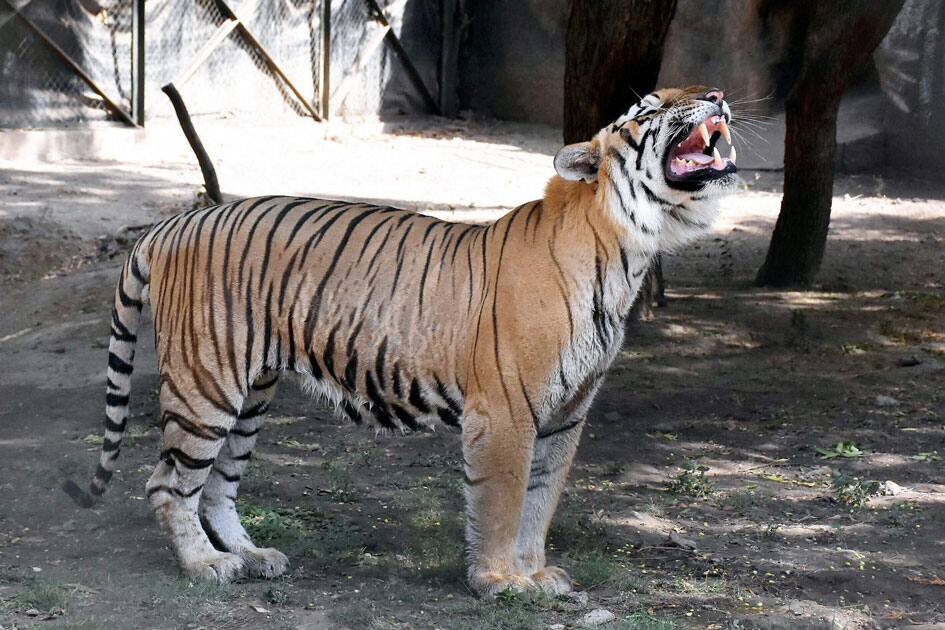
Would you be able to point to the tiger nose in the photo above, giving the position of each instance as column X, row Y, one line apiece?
column 713, row 96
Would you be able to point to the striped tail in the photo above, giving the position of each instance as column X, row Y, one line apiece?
column 126, row 315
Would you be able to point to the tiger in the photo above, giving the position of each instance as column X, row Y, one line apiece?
column 501, row 331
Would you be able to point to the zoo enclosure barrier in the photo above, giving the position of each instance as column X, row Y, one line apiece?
column 66, row 62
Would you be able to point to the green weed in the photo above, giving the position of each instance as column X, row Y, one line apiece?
column 845, row 450
column 854, row 491
column 691, row 482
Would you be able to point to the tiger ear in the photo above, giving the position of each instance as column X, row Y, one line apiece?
column 578, row 162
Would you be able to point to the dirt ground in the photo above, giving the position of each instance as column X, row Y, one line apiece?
column 756, row 459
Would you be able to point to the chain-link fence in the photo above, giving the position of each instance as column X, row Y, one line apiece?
column 38, row 87
column 251, row 59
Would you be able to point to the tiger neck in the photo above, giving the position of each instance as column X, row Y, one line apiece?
column 615, row 251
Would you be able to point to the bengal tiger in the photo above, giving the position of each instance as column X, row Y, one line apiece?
column 405, row 322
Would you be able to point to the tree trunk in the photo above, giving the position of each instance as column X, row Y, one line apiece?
column 613, row 52
column 834, row 40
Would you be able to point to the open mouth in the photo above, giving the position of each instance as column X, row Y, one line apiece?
column 694, row 156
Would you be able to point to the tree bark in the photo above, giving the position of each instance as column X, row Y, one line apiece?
column 834, row 40
column 613, row 52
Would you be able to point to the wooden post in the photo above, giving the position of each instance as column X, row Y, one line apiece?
column 137, row 62
column 187, row 126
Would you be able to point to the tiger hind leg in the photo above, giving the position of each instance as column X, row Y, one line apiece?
column 218, row 513
column 194, row 432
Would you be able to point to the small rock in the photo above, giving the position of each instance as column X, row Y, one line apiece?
column 909, row 361
column 556, row 626
column 598, row 617
column 578, row 597
column 892, row 488
column 886, row 401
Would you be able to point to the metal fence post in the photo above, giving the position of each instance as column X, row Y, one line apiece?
column 326, row 59
column 137, row 61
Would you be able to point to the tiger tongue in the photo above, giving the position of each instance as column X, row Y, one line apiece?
column 699, row 158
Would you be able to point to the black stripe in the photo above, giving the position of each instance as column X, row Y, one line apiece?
column 379, row 409
column 213, row 536
column 116, row 400
column 206, row 432
column 136, row 271
column 448, row 417
column 123, row 334
column 115, row 427
column 406, row 417
column 416, row 397
column 174, row 491
column 351, row 411
column 229, row 478
column 561, row 429
column 454, row 406
column 257, row 386
column 117, row 364
column 642, row 147
column 176, row 456
column 102, row 475
column 126, row 300
column 351, row 371
column 379, row 365
column 256, row 410
column 110, row 446
column 396, row 378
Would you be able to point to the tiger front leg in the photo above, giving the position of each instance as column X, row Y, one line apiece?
column 496, row 454
column 553, row 453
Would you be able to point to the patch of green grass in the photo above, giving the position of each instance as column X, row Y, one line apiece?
column 509, row 611
column 46, row 597
column 279, row 525
column 340, row 482
column 903, row 514
column 739, row 500
column 691, row 482
column 643, row 621
column 183, row 601
column 654, row 507
column 579, row 532
column 594, row 568
column 257, row 476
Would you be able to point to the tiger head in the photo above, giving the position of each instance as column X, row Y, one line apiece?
column 660, row 166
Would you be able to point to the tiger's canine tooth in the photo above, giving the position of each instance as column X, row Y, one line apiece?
column 704, row 132
column 723, row 127
column 731, row 155
column 717, row 161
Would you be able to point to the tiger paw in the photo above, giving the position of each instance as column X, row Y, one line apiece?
column 264, row 562
column 553, row 580
column 220, row 567
column 490, row 584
